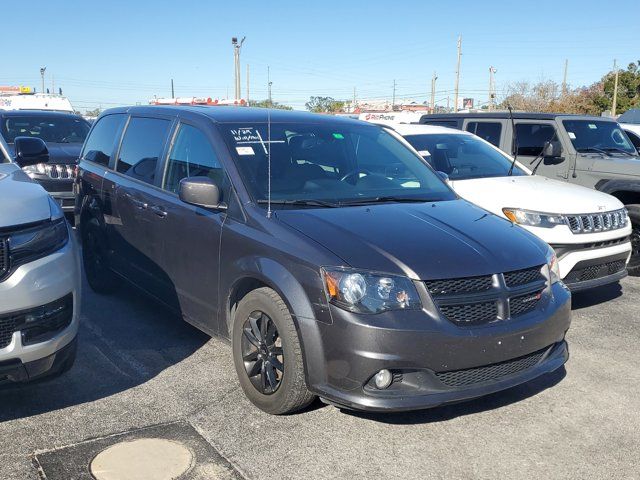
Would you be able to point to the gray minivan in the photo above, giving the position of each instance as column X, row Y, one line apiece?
column 337, row 262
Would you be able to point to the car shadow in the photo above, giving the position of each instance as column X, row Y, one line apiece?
column 482, row 404
column 124, row 340
column 595, row 296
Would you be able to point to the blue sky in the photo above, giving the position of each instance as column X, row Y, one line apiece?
column 121, row 52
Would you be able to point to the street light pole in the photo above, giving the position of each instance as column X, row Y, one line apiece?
column 615, row 90
column 236, row 57
column 492, row 88
column 433, row 92
column 455, row 98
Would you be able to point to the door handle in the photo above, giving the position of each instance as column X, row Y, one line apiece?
column 159, row 211
column 138, row 203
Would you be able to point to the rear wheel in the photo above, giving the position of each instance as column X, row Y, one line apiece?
column 95, row 258
column 267, row 354
column 634, row 263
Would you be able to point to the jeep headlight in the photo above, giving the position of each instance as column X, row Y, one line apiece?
column 533, row 219
column 366, row 292
column 32, row 170
column 554, row 268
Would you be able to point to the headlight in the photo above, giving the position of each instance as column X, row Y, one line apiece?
column 366, row 292
column 533, row 219
column 32, row 170
column 37, row 242
column 554, row 268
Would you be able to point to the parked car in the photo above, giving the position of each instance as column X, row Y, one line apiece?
column 334, row 258
column 590, row 151
column 63, row 133
column 39, row 275
column 555, row 211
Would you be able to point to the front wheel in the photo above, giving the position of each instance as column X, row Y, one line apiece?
column 95, row 258
column 634, row 263
column 267, row 354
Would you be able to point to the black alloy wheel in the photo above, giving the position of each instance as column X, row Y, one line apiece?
column 262, row 353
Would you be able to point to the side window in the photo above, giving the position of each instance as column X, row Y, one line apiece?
column 141, row 148
column 532, row 137
column 489, row 131
column 103, row 138
column 635, row 139
column 191, row 156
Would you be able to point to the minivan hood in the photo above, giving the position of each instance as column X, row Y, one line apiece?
column 62, row 153
column 423, row 241
column 533, row 192
column 23, row 200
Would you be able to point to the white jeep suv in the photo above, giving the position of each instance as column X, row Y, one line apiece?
column 588, row 230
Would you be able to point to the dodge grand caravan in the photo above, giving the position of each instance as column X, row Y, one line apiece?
column 39, row 275
column 335, row 259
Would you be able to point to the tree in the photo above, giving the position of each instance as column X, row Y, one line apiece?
column 628, row 89
column 267, row 104
column 324, row 105
column 93, row 113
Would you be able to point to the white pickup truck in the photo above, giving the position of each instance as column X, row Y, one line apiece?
column 589, row 230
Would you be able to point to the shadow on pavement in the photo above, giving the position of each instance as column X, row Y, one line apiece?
column 595, row 296
column 449, row 412
column 124, row 340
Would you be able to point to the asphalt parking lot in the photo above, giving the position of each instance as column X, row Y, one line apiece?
column 138, row 367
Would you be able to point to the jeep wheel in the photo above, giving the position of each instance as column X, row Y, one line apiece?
column 267, row 354
column 95, row 260
column 634, row 263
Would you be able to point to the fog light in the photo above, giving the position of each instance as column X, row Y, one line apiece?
column 383, row 379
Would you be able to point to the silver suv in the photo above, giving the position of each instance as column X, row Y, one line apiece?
column 39, row 274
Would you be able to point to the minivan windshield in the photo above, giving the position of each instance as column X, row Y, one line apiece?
column 50, row 128
column 461, row 156
column 598, row 136
column 330, row 164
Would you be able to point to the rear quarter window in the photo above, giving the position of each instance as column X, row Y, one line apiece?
column 103, row 138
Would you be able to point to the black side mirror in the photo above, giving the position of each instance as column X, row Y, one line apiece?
column 30, row 151
column 552, row 153
column 202, row 192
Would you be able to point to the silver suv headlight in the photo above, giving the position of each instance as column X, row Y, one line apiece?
column 367, row 292
column 534, row 219
column 29, row 244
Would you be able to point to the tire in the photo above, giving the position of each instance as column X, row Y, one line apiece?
column 634, row 263
column 289, row 393
column 95, row 259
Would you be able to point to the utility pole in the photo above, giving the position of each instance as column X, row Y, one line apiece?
column 393, row 101
column 53, row 84
column 353, row 107
column 492, row 88
column 615, row 89
column 269, row 83
column 433, row 92
column 455, row 98
column 564, row 78
column 448, row 98
column 247, row 84
column 173, row 94
column 236, row 57
column 42, row 70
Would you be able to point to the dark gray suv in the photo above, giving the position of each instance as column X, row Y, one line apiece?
column 334, row 258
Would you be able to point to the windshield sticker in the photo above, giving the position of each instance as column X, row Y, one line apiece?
column 245, row 135
column 593, row 126
column 338, row 136
column 245, row 151
column 424, row 153
column 572, row 135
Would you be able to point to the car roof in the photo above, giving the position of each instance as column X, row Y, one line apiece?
column 232, row 114
column 505, row 114
column 40, row 113
column 416, row 129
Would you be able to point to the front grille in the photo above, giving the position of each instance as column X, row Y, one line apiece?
column 474, row 301
column 471, row 313
column 60, row 172
column 4, row 258
column 522, row 277
column 595, row 271
column 488, row 373
column 598, row 222
column 458, row 286
column 7, row 327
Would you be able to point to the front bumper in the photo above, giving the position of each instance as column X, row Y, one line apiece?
column 422, row 351
column 33, row 285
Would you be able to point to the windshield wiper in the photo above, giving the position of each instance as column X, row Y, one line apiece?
column 384, row 199
column 301, row 202
column 592, row 149
column 618, row 150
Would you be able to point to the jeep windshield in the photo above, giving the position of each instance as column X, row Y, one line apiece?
column 599, row 136
column 50, row 128
column 330, row 164
column 461, row 156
